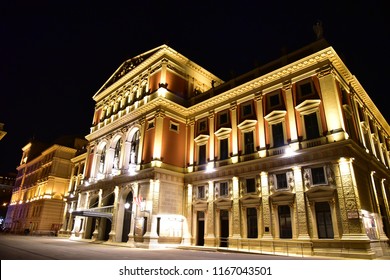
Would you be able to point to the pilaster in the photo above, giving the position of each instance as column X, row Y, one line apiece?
column 300, row 215
column 266, row 207
column 260, row 123
column 210, row 217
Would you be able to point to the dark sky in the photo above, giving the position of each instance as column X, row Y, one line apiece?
column 53, row 57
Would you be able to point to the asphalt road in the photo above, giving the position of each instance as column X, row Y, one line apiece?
column 17, row 247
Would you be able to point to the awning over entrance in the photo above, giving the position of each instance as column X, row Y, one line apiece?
column 97, row 212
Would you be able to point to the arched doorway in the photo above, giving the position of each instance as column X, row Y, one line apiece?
column 91, row 223
column 106, row 223
column 127, row 217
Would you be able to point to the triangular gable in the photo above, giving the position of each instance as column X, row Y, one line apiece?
column 127, row 66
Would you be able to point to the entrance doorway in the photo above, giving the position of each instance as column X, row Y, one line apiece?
column 200, row 229
column 224, row 230
column 127, row 217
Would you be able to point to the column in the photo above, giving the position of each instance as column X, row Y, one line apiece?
column 260, row 123
column 236, row 210
column 158, row 138
column 291, row 116
column 210, row 218
column 266, row 207
column 211, row 141
column 188, row 215
column 349, row 202
column 109, row 160
column 331, row 103
column 130, row 240
column 151, row 237
column 233, row 110
column 141, row 122
column 191, row 151
column 112, row 235
column 300, row 215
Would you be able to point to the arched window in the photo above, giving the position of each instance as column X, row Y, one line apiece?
column 117, row 153
column 134, row 148
column 102, row 160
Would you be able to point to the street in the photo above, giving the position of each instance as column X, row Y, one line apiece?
column 18, row 247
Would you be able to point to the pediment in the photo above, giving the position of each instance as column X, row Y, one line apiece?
column 202, row 138
column 200, row 204
column 127, row 66
column 308, row 106
column 224, row 202
column 320, row 193
column 250, row 200
column 275, row 116
column 282, row 197
column 223, row 132
column 247, row 125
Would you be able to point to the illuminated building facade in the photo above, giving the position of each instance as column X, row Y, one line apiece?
column 37, row 201
column 292, row 156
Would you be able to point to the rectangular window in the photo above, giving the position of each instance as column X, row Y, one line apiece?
column 248, row 142
column 202, row 154
column 306, row 89
column 223, row 189
column 250, row 185
column 274, row 100
column 246, row 110
column 318, row 176
column 202, row 126
column 277, row 134
column 223, row 119
column 174, row 127
column 251, row 217
column 150, row 124
column 281, row 181
column 224, row 148
column 285, row 228
column 201, row 192
column 311, row 126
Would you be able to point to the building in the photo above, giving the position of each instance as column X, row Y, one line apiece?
column 43, row 176
column 7, row 182
column 292, row 156
column 2, row 131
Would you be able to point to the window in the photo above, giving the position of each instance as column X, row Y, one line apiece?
column 277, row 134
column 248, row 142
column 174, row 127
column 306, row 89
column 202, row 126
column 318, row 176
column 247, row 110
column 251, row 218
column 223, row 119
column 281, row 181
column 324, row 220
column 201, row 192
column 134, row 148
column 285, row 229
column 223, row 189
column 250, row 185
column 117, row 152
column 274, row 100
column 102, row 160
column 224, row 148
column 150, row 124
column 202, row 154
column 311, row 126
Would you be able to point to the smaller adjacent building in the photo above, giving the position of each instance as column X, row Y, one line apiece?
column 37, row 201
column 7, row 182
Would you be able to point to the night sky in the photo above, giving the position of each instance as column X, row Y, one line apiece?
column 55, row 57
